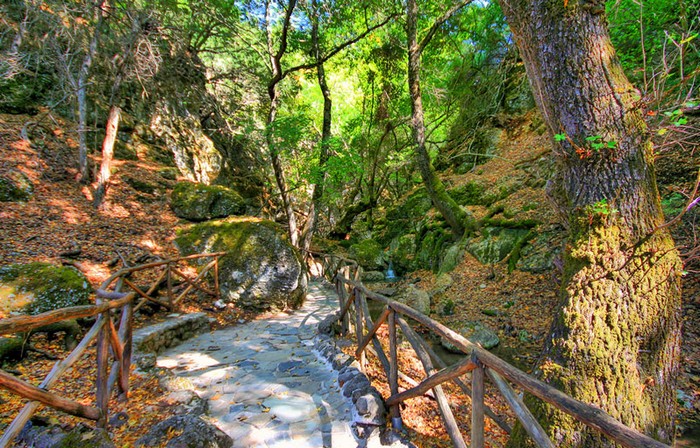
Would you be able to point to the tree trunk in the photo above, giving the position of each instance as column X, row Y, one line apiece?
column 277, row 76
column 107, row 155
column 83, row 168
column 317, row 189
column 455, row 217
column 616, row 336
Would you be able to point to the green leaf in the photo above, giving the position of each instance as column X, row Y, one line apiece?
column 611, row 145
column 559, row 137
column 593, row 138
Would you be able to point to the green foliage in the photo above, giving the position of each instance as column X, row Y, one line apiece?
column 673, row 204
column 657, row 43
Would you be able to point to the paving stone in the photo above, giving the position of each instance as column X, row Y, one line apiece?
column 267, row 384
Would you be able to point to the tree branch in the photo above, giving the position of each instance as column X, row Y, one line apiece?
column 439, row 22
column 339, row 48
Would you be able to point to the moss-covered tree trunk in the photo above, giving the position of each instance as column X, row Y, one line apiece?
column 456, row 218
column 616, row 336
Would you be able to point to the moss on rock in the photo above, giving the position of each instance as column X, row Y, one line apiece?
column 368, row 253
column 200, row 202
column 15, row 187
column 51, row 287
column 261, row 270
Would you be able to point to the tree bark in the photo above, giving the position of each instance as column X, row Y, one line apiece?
column 455, row 216
column 616, row 336
column 83, row 166
column 317, row 189
column 272, row 90
column 107, row 155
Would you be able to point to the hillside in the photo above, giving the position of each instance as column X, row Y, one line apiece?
column 58, row 224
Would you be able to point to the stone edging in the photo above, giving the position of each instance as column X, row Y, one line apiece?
column 154, row 339
column 368, row 404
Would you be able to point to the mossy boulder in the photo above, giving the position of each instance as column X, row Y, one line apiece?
column 40, row 287
column 261, row 271
column 368, row 253
column 477, row 333
column 414, row 297
column 15, row 187
column 495, row 243
column 540, row 253
column 200, row 202
column 471, row 193
column 402, row 253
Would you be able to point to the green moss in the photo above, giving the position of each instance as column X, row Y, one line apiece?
column 53, row 287
column 139, row 185
column 673, row 204
column 15, row 187
column 200, row 202
column 471, row 193
column 368, row 253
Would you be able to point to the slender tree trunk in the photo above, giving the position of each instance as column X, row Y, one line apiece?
column 317, row 189
column 107, row 156
column 277, row 75
column 616, row 336
column 84, row 171
column 455, row 217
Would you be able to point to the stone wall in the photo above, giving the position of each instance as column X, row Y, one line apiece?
column 156, row 338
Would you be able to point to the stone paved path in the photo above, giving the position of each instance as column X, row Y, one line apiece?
column 265, row 385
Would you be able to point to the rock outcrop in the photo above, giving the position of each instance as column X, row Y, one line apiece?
column 200, row 202
column 39, row 287
column 261, row 270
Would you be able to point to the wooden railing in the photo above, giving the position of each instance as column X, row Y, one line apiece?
column 480, row 363
column 112, row 342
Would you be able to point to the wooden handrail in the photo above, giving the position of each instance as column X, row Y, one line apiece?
column 487, row 364
column 21, row 324
column 108, row 336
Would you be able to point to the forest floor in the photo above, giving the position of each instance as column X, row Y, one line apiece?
column 137, row 225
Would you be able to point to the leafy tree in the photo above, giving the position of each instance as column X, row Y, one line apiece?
column 615, row 338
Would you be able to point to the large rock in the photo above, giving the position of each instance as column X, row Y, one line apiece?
column 368, row 253
column 190, row 432
column 477, row 333
column 39, row 287
column 15, row 187
column 539, row 254
column 414, row 297
column 261, row 270
column 200, row 202
column 495, row 243
column 195, row 154
column 402, row 253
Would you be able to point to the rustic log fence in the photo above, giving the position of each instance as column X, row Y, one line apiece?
column 481, row 364
column 112, row 342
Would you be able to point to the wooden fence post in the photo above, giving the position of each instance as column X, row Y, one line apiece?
column 125, row 335
column 477, row 405
column 394, row 411
column 359, row 327
column 102, row 399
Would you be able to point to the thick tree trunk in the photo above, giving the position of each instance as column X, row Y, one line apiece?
column 616, row 336
column 455, row 217
column 107, row 155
